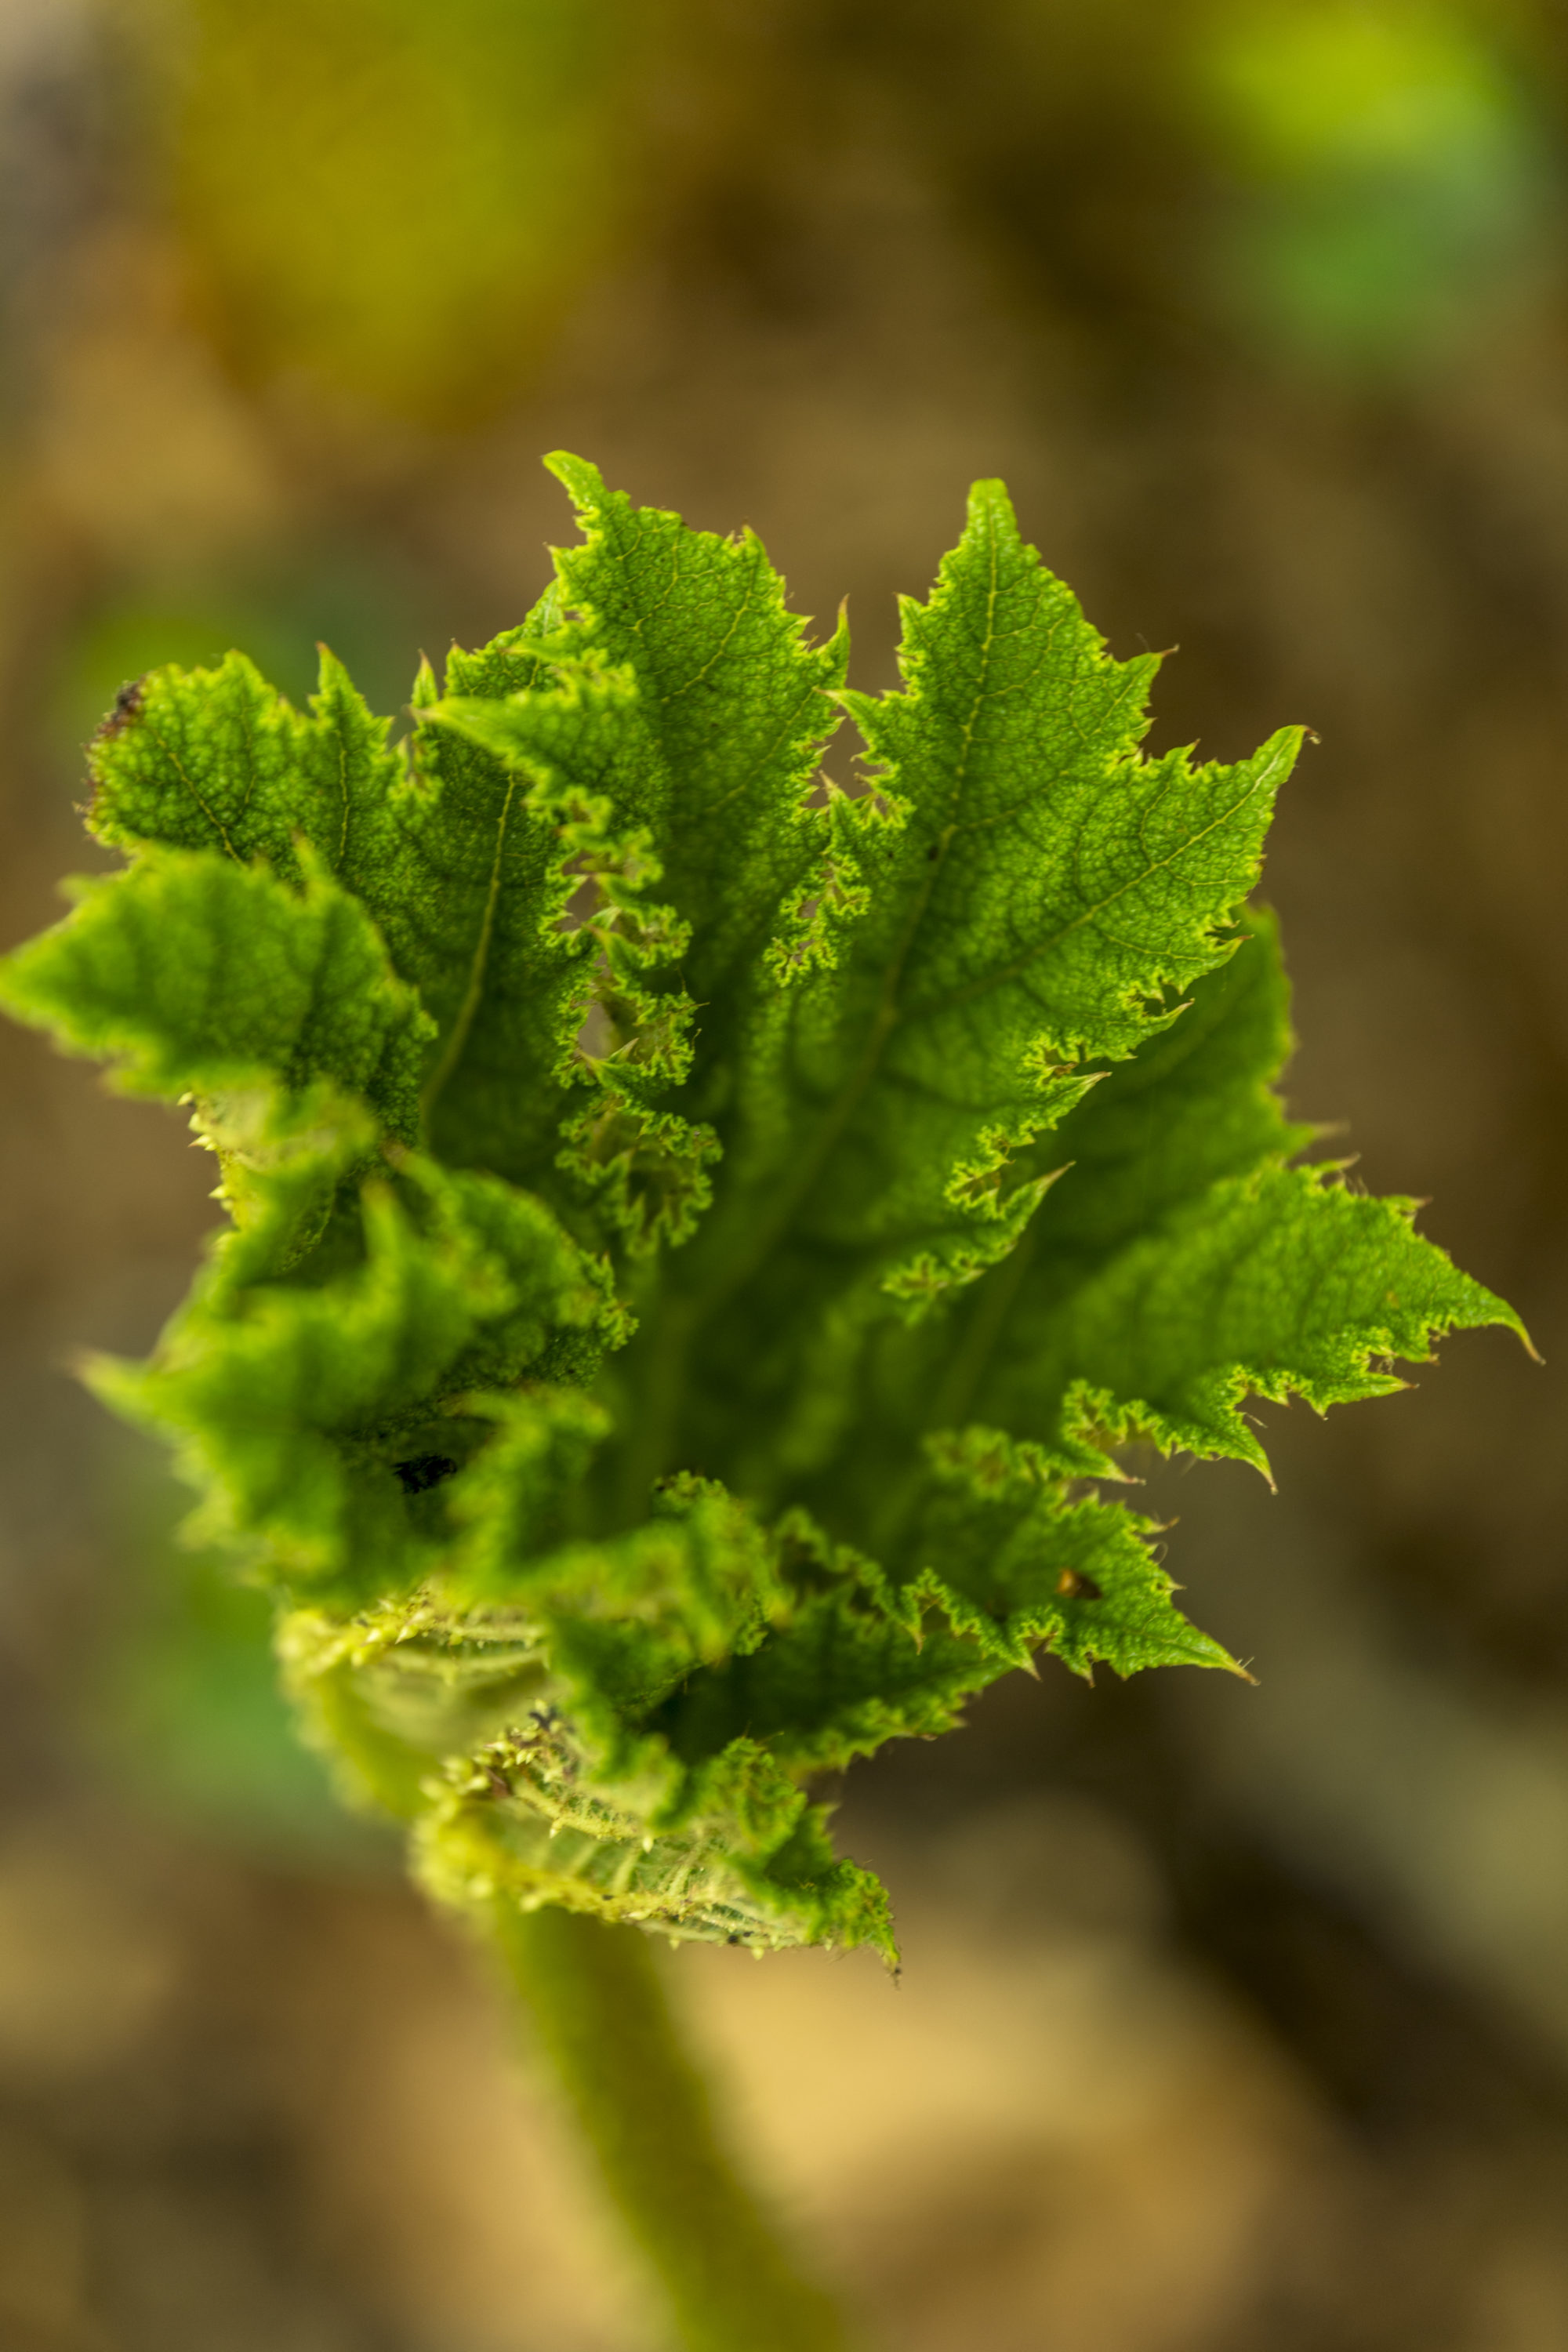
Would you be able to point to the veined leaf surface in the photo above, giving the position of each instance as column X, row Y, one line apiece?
column 698, row 1233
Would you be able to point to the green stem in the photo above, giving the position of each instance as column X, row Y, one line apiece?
column 599, row 2011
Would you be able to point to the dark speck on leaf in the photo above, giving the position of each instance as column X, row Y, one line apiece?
column 127, row 703
column 424, row 1470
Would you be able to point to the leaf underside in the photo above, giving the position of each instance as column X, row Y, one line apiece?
column 697, row 1234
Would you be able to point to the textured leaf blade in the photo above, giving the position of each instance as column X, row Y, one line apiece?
column 731, row 717
column 198, row 976
column 298, row 1406
column 1180, row 1265
column 1286, row 1284
column 215, row 759
column 1048, row 894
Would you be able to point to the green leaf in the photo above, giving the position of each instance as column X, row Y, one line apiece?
column 195, row 975
column 1180, row 1265
column 218, row 759
column 294, row 1402
column 699, row 1235
column 731, row 717
column 1040, row 896
column 1283, row 1283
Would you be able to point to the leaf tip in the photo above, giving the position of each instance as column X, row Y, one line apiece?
column 583, row 482
column 990, row 505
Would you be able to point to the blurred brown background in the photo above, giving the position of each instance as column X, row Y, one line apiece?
column 1232, row 2021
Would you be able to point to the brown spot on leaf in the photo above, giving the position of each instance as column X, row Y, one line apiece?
column 1074, row 1586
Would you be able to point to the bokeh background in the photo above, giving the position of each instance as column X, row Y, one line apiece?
column 1232, row 2021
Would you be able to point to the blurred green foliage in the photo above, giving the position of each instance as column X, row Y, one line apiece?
column 1389, row 177
column 1339, row 188
column 185, row 1707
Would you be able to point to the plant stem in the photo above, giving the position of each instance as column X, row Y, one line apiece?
column 599, row 2011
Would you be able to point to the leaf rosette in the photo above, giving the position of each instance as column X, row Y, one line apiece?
column 697, row 1234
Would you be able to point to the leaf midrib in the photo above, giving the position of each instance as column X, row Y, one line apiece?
column 467, row 1011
